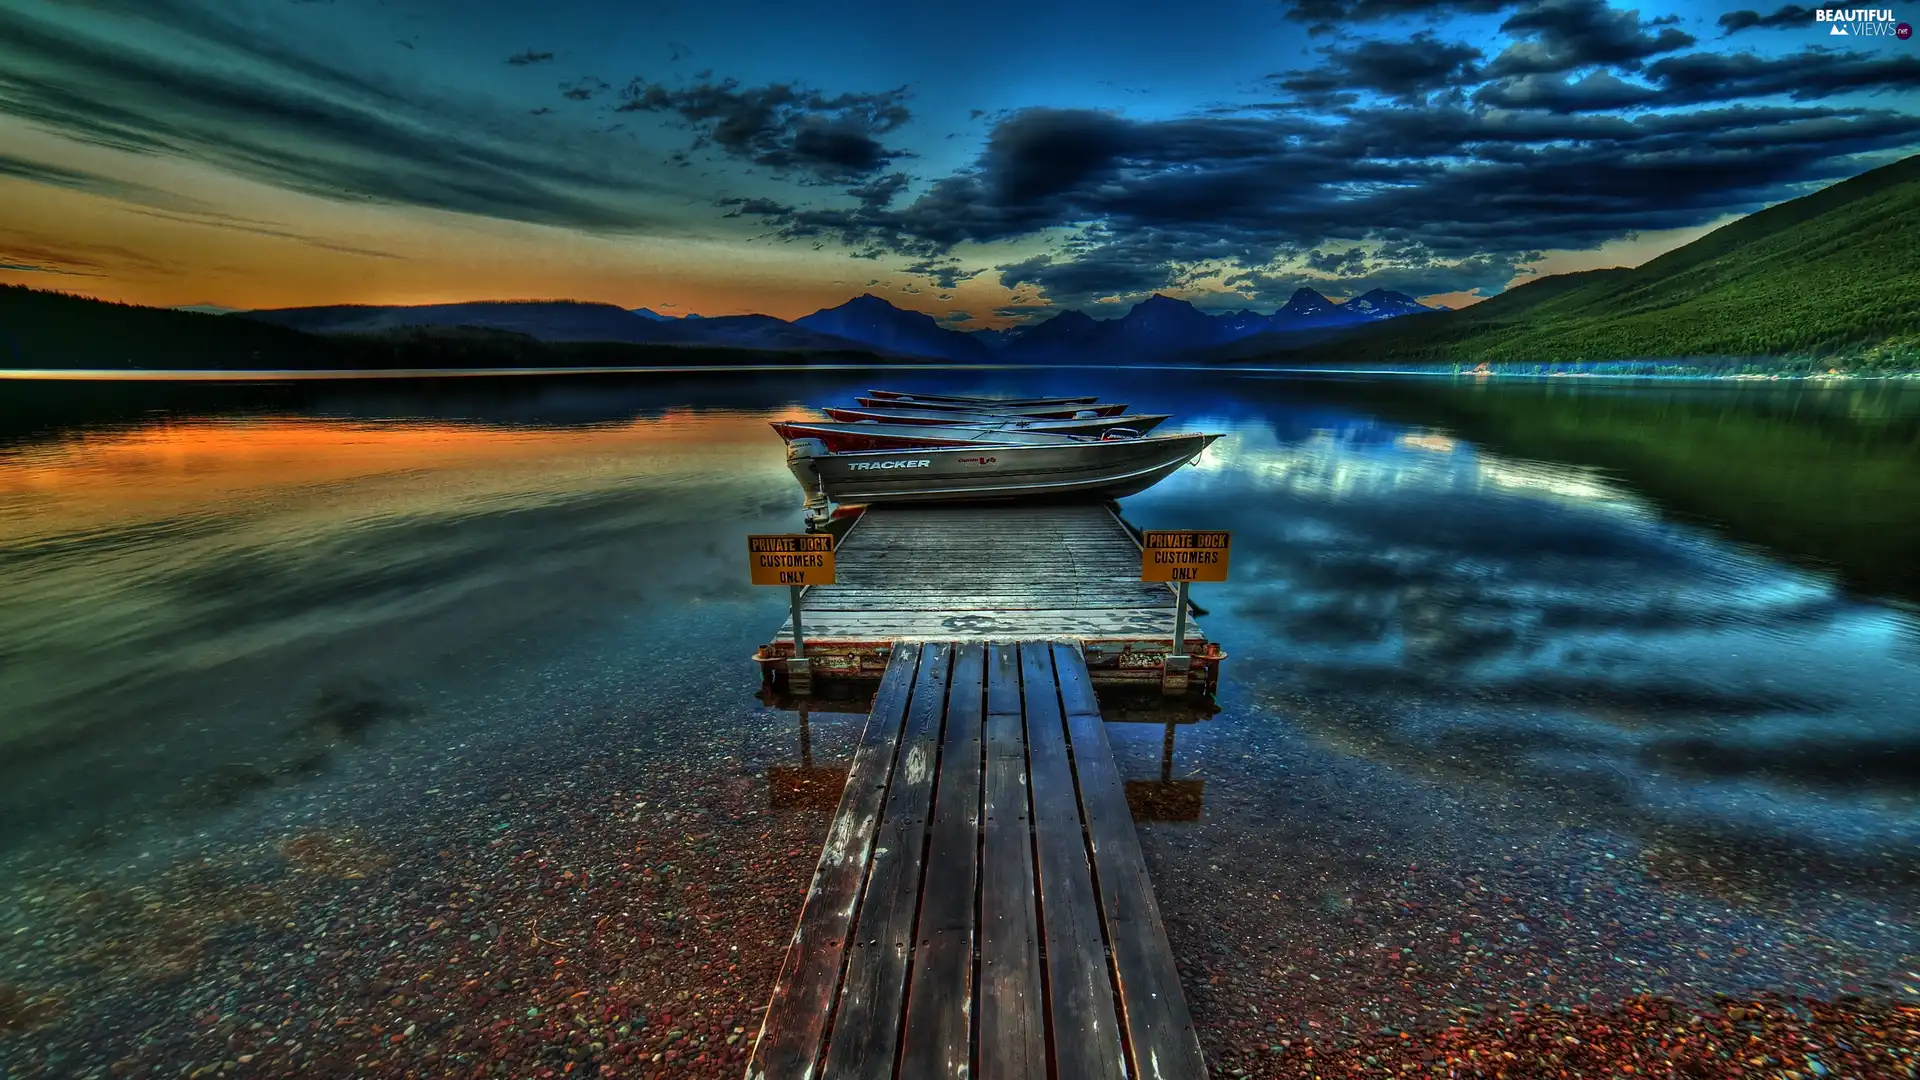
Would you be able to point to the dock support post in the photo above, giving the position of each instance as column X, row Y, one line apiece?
column 799, row 668
column 1173, row 678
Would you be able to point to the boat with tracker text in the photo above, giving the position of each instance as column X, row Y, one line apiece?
column 1084, row 469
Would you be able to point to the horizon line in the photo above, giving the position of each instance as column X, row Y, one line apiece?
column 203, row 306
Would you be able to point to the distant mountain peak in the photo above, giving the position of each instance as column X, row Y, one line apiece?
column 1384, row 304
column 1387, row 295
column 1304, row 303
column 874, row 321
column 1073, row 316
column 1162, row 300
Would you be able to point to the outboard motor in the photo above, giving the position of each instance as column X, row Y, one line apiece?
column 800, row 455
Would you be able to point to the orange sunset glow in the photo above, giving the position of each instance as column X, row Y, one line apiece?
column 326, row 466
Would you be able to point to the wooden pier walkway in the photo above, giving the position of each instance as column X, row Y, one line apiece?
column 1007, row 572
column 981, row 907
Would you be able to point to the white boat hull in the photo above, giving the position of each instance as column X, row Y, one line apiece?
column 1103, row 470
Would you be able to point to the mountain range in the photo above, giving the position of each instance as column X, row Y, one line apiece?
column 1831, row 279
column 560, row 321
column 1155, row 328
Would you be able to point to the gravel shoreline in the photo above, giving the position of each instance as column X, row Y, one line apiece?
column 620, row 907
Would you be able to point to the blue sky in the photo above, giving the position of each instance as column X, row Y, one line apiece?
column 999, row 159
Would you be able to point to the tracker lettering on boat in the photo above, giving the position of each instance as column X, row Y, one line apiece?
column 908, row 449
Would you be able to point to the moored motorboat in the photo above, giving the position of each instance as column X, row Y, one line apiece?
column 1055, row 411
column 970, row 399
column 1095, row 469
column 1094, row 425
column 845, row 438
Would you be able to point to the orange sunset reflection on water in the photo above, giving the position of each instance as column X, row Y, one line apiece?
column 182, row 546
column 301, row 466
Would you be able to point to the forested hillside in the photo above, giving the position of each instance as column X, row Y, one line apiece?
column 1835, row 273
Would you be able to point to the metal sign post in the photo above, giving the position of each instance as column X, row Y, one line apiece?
column 799, row 639
column 1180, row 621
column 1182, row 558
column 795, row 560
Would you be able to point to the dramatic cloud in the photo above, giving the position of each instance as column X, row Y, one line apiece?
column 881, row 190
column 1790, row 16
column 947, row 274
column 1095, row 276
column 1349, row 263
column 64, row 256
column 1563, row 35
column 1804, row 76
column 1705, row 78
column 783, row 126
column 271, row 111
column 72, row 179
column 1421, row 158
column 29, row 268
column 1322, row 16
column 1598, row 92
column 1412, row 271
column 1154, row 203
column 583, row 89
column 1405, row 71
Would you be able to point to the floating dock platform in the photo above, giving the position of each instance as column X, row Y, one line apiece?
column 1068, row 572
column 981, row 907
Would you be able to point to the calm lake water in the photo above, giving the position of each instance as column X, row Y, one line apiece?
column 389, row 729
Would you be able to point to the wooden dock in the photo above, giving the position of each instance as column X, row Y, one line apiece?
column 981, row 906
column 1067, row 572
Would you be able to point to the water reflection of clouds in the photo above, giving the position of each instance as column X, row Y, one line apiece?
column 1368, row 458
column 1500, row 622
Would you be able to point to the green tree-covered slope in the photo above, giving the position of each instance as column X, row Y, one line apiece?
column 1835, row 273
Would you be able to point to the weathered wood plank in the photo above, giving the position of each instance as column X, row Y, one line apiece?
column 980, row 592
column 938, row 1038
column 1012, row 1026
column 866, row 1027
column 932, row 604
column 1160, row 1034
column 1117, row 589
column 899, row 567
column 998, row 623
column 1086, row 1031
column 981, row 573
column 923, row 614
column 907, row 576
column 993, row 763
column 911, row 577
column 792, row 1037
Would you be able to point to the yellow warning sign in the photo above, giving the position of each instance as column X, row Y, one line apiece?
column 1184, row 556
column 792, row 559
